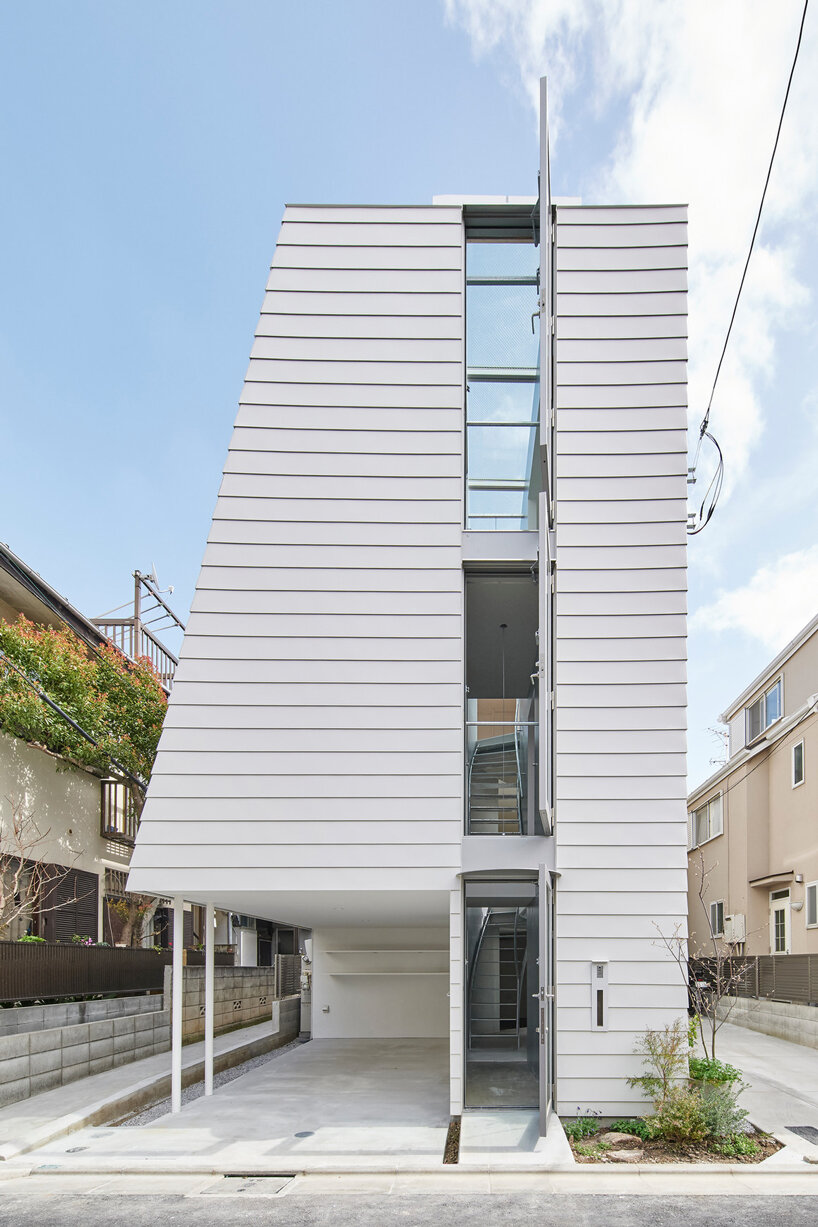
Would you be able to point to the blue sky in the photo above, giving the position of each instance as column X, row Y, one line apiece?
column 148, row 150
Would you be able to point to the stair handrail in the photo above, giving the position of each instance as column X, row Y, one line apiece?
column 519, row 769
column 519, row 971
column 468, row 788
column 472, row 969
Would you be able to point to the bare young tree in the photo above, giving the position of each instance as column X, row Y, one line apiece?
column 24, row 877
column 136, row 913
column 711, row 971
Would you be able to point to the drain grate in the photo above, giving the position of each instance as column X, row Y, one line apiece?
column 808, row 1132
column 263, row 1184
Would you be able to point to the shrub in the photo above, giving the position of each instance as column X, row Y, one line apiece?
column 720, row 1111
column 679, row 1117
column 29, row 937
column 585, row 1126
column 708, row 1069
column 738, row 1144
column 639, row 1128
column 665, row 1057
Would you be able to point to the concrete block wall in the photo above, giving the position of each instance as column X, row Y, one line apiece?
column 18, row 1019
column 786, row 1020
column 36, row 1061
column 242, row 995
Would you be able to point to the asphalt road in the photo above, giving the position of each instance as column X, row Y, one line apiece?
column 442, row 1210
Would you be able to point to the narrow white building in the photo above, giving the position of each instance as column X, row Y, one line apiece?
column 431, row 698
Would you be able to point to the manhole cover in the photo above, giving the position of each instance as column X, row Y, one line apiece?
column 808, row 1132
column 308, row 1133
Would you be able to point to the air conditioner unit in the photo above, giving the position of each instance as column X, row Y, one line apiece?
column 735, row 928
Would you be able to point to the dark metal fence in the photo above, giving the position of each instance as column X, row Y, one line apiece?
column 46, row 971
column 775, row 977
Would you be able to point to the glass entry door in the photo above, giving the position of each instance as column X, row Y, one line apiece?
column 502, row 1008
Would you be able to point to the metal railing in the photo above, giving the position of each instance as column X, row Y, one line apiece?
column 774, row 977
column 135, row 640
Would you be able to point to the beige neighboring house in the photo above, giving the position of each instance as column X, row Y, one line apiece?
column 753, row 825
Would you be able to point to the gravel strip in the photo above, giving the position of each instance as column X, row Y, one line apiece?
column 197, row 1088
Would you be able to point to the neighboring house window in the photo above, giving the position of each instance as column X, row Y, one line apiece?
column 798, row 764
column 717, row 918
column 812, row 905
column 706, row 822
column 762, row 713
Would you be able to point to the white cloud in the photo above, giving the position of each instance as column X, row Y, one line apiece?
column 772, row 607
column 702, row 85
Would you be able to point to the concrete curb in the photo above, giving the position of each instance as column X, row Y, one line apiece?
column 607, row 1174
column 136, row 1097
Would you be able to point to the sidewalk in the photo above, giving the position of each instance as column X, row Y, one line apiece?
column 782, row 1083
column 102, row 1098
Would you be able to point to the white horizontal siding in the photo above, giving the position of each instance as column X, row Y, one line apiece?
column 342, row 233
column 314, row 579
column 344, row 395
column 621, row 465
column 316, row 719
column 296, row 601
column 359, row 349
column 361, row 259
column 261, row 485
column 403, row 329
column 386, row 303
column 345, row 441
column 584, row 328
column 579, row 304
column 298, row 647
column 340, row 511
column 290, row 532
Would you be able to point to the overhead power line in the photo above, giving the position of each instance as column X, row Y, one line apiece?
column 714, row 489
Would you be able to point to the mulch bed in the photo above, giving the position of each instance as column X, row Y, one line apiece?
column 657, row 1151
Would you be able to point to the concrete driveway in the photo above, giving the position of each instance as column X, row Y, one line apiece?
column 782, row 1084
column 325, row 1103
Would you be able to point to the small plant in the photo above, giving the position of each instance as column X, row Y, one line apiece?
column 82, row 939
column 665, row 1057
column 679, row 1117
column 639, row 1128
column 707, row 1069
column 739, row 1144
column 29, row 937
column 693, row 1025
column 720, row 1111
column 591, row 1150
column 585, row 1125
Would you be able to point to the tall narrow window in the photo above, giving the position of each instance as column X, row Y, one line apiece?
column 798, row 764
column 503, row 468
column 812, row 905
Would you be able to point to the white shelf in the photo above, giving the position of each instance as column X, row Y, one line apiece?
column 431, row 961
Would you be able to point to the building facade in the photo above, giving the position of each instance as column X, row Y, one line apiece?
column 431, row 698
column 752, row 830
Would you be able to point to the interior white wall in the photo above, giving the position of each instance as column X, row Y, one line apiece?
column 379, row 1005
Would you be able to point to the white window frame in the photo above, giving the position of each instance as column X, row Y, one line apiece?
column 811, row 886
column 762, row 699
column 797, row 783
column 717, row 930
column 713, row 811
column 784, row 904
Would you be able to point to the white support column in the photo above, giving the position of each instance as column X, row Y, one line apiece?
column 176, row 1034
column 210, row 943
